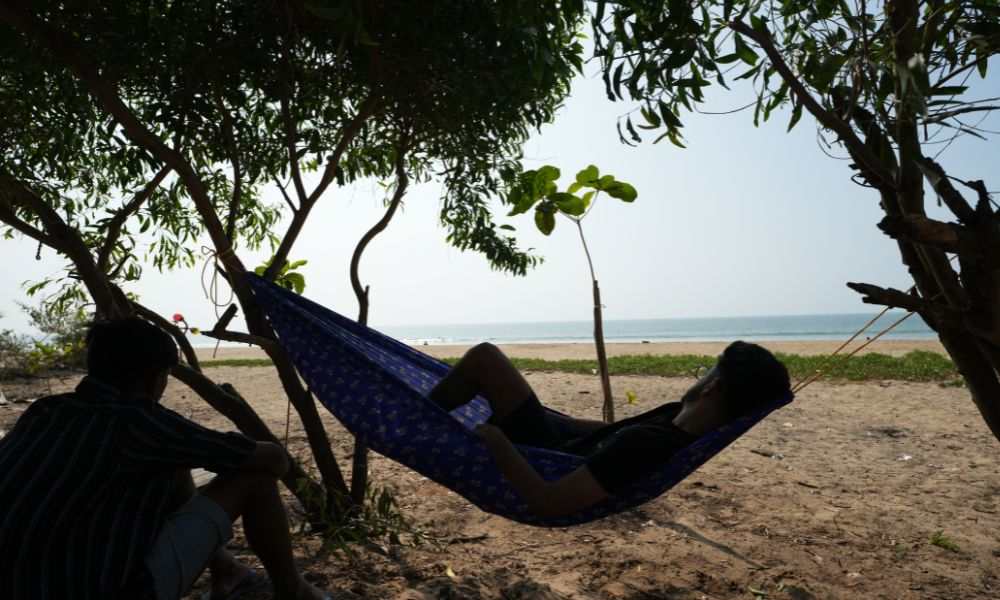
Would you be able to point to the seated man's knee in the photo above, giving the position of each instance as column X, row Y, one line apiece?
column 233, row 490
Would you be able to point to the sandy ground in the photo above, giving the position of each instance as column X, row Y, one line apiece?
column 835, row 496
column 586, row 350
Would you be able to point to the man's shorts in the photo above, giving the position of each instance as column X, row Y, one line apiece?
column 528, row 424
column 185, row 544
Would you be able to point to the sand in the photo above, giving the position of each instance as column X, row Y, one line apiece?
column 835, row 496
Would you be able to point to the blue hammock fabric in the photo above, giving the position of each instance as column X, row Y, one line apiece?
column 377, row 388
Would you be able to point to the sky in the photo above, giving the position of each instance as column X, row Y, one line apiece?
column 745, row 221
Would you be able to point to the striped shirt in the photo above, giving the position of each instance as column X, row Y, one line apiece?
column 86, row 482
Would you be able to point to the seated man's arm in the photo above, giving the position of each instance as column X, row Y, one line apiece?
column 548, row 499
column 162, row 439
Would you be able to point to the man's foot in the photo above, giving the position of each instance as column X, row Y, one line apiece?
column 235, row 582
column 306, row 591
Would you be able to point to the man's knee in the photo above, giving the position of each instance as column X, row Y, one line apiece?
column 233, row 490
column 485, row 354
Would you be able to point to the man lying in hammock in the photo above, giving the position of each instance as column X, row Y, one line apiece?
column 746, row 377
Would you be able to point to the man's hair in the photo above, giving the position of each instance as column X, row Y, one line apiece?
column 121, row 350
column 751, row 377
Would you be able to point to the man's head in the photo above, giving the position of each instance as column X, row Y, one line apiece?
column 132, row 355
column 746, row 378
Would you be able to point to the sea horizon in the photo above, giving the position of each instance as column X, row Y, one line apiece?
column 695, row 329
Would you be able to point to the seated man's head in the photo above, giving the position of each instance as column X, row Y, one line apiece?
column 132, row 355
column 745, row 378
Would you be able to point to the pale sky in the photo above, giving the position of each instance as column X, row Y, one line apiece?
column 744, row 221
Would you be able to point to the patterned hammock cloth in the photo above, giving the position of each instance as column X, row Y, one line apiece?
column 377, row 387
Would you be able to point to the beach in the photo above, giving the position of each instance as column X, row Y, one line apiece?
column 838, row 495
column 556, row 351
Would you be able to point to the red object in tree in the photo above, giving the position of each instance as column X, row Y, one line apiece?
column 178, row 317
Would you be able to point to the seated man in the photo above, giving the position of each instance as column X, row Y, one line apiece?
column 745, row 378
column 96, row 493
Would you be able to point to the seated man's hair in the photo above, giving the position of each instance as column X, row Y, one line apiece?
column 751, row 377
column 120, row 350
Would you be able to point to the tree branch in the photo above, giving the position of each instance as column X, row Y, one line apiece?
column 285, row 195
column 291, row 143
column 938, row 179
column 236, row 198
column 76, row 56
column 243, row 338
column 948, row 114
column 122, row 215
column 948, row 237
column 893, row 298
column 174, row 331
column 351, row 131
column 8, row 216
column 825, row 117
column 402, row 182
column 63, row 238
column 226, row 318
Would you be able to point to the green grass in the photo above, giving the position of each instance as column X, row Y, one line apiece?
column 913, row 366
column 237, row 362
column 940, row 540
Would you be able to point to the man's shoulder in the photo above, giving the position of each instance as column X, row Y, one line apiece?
column 50, row 403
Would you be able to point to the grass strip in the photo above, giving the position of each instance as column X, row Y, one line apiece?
column 918, row 365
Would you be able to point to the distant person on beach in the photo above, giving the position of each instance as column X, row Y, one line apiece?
column 746, row 377
column 97, row 497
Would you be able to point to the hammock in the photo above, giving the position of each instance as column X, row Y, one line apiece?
column 377, row 388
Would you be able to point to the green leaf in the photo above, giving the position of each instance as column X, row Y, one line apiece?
column 569, row 204
column 668, row 116
column 948, row 90
column 796, row 115
column 745, row 52
column 574, row 187
column 296, row 264
column 522, row 201
column 295, row 282
column 587, row 198
column 508, row 227
column 545, row 221
column 621, row 190
column 547, row 173
column 587, row 176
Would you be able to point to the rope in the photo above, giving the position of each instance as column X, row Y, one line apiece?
column 819, row 372
column 211, row 288
column 815, row 374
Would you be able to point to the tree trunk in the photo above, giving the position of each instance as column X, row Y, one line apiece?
column 359, row 463
column 978, row 374
column 602, row 358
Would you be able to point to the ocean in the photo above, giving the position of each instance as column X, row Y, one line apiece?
column 789, row 327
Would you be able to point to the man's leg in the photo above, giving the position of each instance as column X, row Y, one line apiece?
column 227, row 572
column 487, row 371
column 254, row 497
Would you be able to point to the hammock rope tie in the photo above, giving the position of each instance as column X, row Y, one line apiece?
column 823, row 368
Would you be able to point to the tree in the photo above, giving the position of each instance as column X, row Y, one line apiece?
column 537, row 189
column 882, row 80
column 190, row 109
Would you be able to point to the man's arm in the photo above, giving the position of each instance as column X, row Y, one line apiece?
column 549, row 499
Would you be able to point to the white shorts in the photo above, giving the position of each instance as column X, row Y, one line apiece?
column 185, row 544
